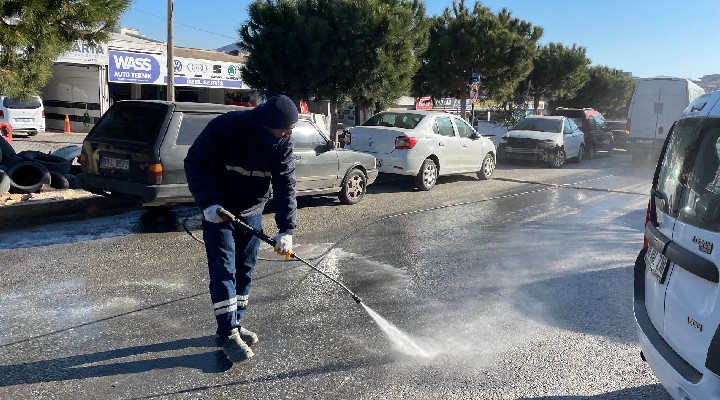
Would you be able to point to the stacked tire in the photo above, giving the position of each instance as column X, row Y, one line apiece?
column 29, row 171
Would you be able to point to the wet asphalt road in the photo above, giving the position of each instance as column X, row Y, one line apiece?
column 520, row 290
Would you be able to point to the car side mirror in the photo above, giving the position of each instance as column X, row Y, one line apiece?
column 475, row 136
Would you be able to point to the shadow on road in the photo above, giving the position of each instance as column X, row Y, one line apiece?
column 101, row 363
column 656, row 392
column 597, row 302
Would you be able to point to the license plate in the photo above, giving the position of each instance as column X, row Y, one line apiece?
column 23, row 120
column 656, row 263
column 644, row 141
column 118, row 163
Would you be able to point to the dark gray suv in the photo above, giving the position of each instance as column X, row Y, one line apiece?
column 136, row 152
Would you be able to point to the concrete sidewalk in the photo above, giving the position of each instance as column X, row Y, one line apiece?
column 57, row 205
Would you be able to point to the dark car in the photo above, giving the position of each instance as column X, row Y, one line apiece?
column 598, row 137
column 619, row 131
column 136, row 152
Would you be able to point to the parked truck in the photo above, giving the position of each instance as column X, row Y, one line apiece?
column 655, row 105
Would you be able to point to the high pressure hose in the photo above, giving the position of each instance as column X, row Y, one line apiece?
column 265, row 238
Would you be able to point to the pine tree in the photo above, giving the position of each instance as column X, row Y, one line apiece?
column 35, row 33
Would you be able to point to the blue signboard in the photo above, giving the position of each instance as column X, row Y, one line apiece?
column 133, row 67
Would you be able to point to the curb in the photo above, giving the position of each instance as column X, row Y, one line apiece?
column 40, row 211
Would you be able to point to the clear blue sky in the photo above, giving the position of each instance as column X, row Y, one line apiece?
column 645, row 37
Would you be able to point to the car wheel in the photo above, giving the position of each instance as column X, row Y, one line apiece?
column 579, row 157
column 559, row 159
column 487, row 168
column 353, row 188
column 590, row 151
column 427, row 177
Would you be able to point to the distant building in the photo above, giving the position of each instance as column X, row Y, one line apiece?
column 709, row 82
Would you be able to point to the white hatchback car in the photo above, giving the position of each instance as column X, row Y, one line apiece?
column 25, row 116
column 552, row 139
column 423, row 144
column 677, row 283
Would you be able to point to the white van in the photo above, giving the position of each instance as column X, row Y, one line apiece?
column 25, row 116
column 655, row 105
column 677, row 281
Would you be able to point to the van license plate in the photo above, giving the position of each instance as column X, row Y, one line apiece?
column 656, row 263
column 108, row 162
column 23, row 120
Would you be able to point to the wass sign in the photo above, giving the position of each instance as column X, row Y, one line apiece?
column 133, row 67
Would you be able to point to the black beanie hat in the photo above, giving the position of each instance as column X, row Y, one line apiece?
column 279, row 112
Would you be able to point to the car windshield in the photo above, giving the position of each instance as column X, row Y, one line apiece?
column 395, row 120
column 31, row 103
column 539, row 124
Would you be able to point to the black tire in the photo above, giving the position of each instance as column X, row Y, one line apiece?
column 4, row 182
column 353, row 187
column 12, row 160
column 3, row 168
column 51, row 162
column 559, row 160
column 58, row 181
column 6, row 150
column 427, row 176
column 73, row 181
column 487, row 167
column 590, row 151
column 28, row 177
column 579, row 157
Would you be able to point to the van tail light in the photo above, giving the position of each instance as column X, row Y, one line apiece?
column 347, row 139
column 405, row 142
column 627, row 127
column 154, row 173
column 647, row 215
column 43, row 113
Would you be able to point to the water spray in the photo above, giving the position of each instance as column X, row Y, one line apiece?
column 265, row 238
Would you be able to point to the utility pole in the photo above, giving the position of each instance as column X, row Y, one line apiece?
column 170, row 56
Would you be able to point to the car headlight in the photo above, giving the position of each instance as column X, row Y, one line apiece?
column 503, row 139
column 547, row 144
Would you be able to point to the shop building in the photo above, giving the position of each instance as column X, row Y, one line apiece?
column 89, row 79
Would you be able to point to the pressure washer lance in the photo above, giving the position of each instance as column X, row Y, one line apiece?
column 265, row 238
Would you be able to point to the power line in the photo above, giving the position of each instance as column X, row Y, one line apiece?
column 185, row 25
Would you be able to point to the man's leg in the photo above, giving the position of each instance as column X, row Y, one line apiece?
column 247, row 246
column 220, row 249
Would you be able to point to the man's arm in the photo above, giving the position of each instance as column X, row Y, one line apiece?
column 283, row 181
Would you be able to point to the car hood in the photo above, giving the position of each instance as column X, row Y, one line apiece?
column 537, row 135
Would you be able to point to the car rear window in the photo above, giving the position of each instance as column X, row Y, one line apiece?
column 29, row 104
column 191, row 126
column 395, row 120
column 136, row 122
column 690, row 173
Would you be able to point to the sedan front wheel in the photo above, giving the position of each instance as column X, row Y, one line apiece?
column 353, row 188
column 559, row 159
column 488, row 166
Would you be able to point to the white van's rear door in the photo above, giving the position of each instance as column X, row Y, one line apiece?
column 692, row 298
column 672, row 100
column 692, row 301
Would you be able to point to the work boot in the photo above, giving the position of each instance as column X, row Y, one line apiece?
column 246, row 335
column 235, row 347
